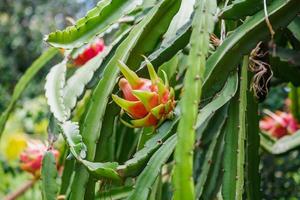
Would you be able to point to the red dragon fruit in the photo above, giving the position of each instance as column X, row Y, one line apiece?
column 148, row 102
column 31, row 158
column 279, row 124
column 90, row 52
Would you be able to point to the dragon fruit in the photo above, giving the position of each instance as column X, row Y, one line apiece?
column 31, row 158
column 279, row 124
column 89, row 53
column 147, row 102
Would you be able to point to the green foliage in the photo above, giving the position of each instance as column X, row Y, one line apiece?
column 241, row 8
column 152, row 170
column 134, row 166
column 55, row 82
column 102, row 170
column 23, row 82
column 241, row 41
column 285, row 65
column 210, row 147
column 70, row 131
column 282, row 145
column 96, row 21
column 99, row 99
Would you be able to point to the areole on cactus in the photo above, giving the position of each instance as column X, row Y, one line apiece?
column 148, row 102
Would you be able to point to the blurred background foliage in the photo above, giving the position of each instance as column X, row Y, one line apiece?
column 280, row 174
column 23, row 25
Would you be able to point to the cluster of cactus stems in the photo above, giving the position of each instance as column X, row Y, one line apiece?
column 207, row 145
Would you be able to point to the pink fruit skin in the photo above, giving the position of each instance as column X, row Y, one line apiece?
column 31, row 158
column 89, row 52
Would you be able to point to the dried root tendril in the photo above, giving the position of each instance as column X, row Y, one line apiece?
column 215, row 40
column 262, row 71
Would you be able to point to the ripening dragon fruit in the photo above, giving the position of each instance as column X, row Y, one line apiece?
column 89, row 53
column 148, row 102
column 279, row 124
column 31, row 158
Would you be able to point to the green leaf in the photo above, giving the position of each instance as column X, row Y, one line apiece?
column 242, row 8
column 242, row 40
column 98, row 20
column 55, row 82
column 24, row 81
column 48, row 176
column 147, row 178
column 70, row 131
column 203, row 26
column 102, row 170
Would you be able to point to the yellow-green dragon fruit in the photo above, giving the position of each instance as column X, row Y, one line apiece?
column 147, row 102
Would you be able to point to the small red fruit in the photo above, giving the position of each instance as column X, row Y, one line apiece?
column 279, row 124
column 90, row 52
column 31, row 158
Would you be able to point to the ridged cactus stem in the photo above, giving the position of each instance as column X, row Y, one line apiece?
column 202, row 25
column 252, row 176
column 242, row 130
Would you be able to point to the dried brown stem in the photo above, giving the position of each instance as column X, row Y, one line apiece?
column 21, row 190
